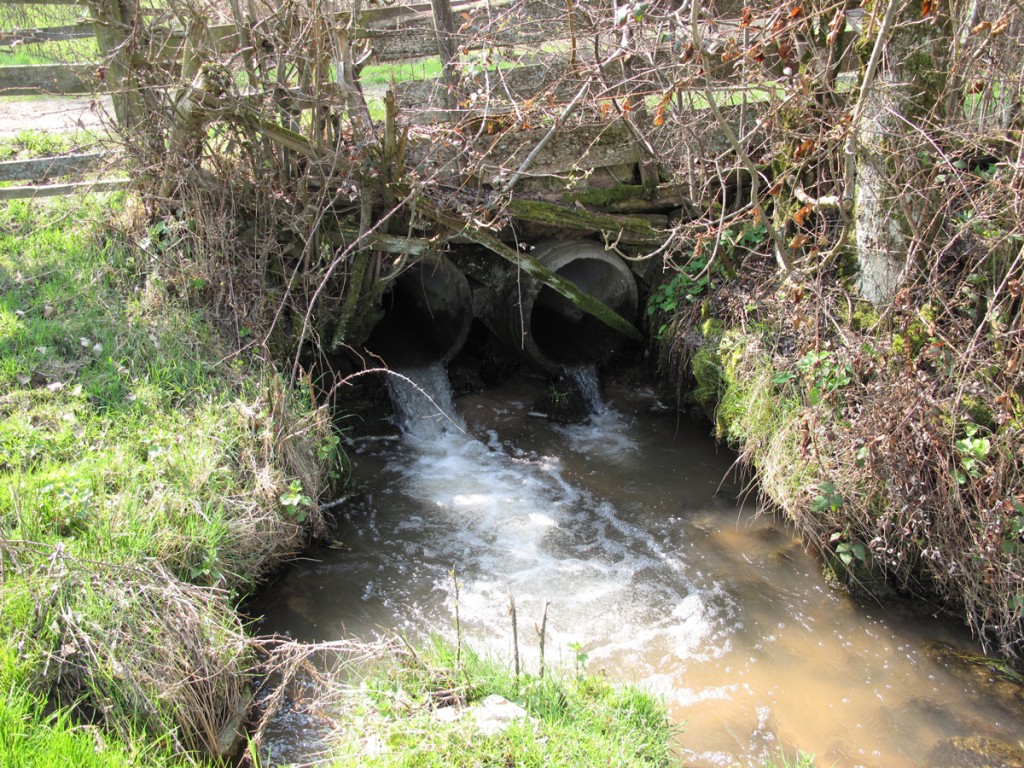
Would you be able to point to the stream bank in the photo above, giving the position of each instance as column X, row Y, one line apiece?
column 892, row 441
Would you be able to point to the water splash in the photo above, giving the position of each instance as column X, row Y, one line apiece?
column 423, row 402
column 587, row 382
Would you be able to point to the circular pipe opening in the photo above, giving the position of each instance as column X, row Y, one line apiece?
column 555, row 333
column 427, row 315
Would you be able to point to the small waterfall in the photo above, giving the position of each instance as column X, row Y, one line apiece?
column 422, row 398
column 584, row 377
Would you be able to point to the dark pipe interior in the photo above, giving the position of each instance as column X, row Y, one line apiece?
column 565, row 333
column 427, row 315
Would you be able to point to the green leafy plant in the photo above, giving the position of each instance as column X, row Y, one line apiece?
column 828, row 499
column 296, row 503
column 972, row 451
column 580, row 657
column 1012, row 543
column 687, row 286
column 821, row 372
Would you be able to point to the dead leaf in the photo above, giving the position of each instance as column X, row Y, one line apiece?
column 801, row 215
column 803, row 149
column 47, row 312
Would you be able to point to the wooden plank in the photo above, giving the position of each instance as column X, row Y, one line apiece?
column 596, row 145
column 631, row 230
column 46, row 167
column 22, row 79
column 167, row 45
column 46, row 35
column 371, row 16
column 57, row 190
column 544, row 84
column 414, row 38
column 45, row 2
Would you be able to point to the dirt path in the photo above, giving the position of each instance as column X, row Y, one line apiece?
column 52, row 113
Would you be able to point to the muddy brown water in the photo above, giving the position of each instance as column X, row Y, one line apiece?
column 631, row 528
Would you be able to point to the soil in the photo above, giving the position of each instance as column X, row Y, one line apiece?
column 52, row 114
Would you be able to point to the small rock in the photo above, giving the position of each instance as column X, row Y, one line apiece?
column 976, row 752
column 496, row 713
column 490, row 716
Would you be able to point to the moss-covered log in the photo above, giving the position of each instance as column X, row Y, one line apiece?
column 631, row 230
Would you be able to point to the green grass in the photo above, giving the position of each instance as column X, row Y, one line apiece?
column 397, row 72
column 29, row 17
column 142, row 470
column 116, row 401
column 30, row 144
column 33, row 736
column 574, row 719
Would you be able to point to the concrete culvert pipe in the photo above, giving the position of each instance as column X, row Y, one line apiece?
column 548, row 328
column 427, row 315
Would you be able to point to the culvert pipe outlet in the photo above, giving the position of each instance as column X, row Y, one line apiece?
column 427, row 315
column 549, row 329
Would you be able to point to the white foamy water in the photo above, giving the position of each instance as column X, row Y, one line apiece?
column 422, row 398
column 617, row 524
column 509, row 522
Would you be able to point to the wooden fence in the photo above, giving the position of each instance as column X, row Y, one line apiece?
column 396, row 33
column 445, row 29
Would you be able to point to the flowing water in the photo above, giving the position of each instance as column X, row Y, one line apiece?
column 630, row 528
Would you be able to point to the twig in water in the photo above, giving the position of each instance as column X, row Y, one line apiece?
column 515, row 632
column 458, row 622
column 542, row 631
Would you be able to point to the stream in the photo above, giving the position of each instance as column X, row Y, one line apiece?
column 636, row 532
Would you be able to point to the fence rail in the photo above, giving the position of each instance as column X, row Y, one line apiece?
column 392, row 33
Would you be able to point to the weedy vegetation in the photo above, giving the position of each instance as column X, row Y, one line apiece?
column 148, row 476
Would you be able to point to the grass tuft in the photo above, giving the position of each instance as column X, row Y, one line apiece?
column 405, row 706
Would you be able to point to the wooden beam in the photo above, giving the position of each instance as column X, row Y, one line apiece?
column 22, row 79
column 45, row 2
column 46, row 35
column 111, row 23
column 631, row 198
column 55, row 190
column 583, row 147
column 631, row 230
column 47, row 167
column 444, row 30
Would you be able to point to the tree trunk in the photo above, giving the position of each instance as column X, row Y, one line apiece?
column 902, row 85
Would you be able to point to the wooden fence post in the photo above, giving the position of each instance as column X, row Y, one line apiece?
column 114, row 22
column 444, row 28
